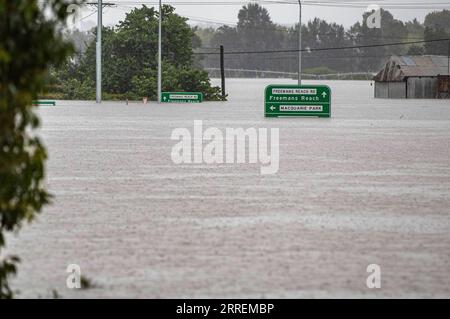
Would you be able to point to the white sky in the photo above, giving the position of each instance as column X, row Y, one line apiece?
column 347, row 12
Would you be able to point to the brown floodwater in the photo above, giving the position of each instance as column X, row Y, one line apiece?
column 371, row 185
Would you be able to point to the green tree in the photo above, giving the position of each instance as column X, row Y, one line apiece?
column 415, row 30
column 130, row 57
column 438, row 19
column 317, row 34
column 29, row 43
column 416, row 50
column 228, row 37
column 437, row 26
column 257, row 32
column 392, row 30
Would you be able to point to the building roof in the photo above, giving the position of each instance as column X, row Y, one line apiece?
column 397, row 68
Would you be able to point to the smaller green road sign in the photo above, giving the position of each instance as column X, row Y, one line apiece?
column 182, row 97
column 293, row 100
column 37, row 103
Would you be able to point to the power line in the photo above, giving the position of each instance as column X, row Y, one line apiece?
column 104, row 4
column 342, row 4
column 89, row 15
column 279, row 28
column 327, row 49
column 232, row 59
column 350, row 4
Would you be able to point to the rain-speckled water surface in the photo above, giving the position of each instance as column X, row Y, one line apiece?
column 371, row 185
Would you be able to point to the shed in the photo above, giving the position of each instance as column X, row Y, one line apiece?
column 414, row 77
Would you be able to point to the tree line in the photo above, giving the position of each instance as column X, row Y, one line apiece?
column 130, row 51
column 129, row 57
column 255, row 31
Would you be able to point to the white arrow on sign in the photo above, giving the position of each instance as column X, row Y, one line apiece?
column 272, row 107
column 324, row 94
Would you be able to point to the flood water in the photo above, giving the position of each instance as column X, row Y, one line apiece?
column 368, row 186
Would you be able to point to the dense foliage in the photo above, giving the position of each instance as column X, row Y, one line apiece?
column 437, row 25
column 130, row 60
column 29, row 43
column 255, row 31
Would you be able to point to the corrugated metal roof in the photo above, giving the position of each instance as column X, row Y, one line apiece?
column 399, row 67
column 408, row 60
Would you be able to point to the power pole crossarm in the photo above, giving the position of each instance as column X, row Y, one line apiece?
column 104, row 4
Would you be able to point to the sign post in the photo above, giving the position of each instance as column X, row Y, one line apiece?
column 182, row 97
column 98, row 53
column 297, row 100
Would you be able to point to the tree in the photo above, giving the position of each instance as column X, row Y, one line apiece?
column 437, row 26
column 415, row 30
column 228, row 37
column 438, row 19
column 392, row 30
column 130, row 51
column 257, row 32
column 317, row 34
column 29, row 43
column 416, row 50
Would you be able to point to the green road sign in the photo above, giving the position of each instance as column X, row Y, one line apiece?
column 294, row 100
column 37, row 103
column 182, row 97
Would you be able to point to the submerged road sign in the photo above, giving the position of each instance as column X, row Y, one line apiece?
column 37, row 103
column 295, row 100
column 182, row 97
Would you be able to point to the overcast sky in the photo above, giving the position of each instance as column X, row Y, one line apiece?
column 347, row 12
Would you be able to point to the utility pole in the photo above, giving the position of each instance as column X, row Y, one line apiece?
column 98, row 67
column 160, row 53
column 222, row 71
column 100, row 5
column 300, row 43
